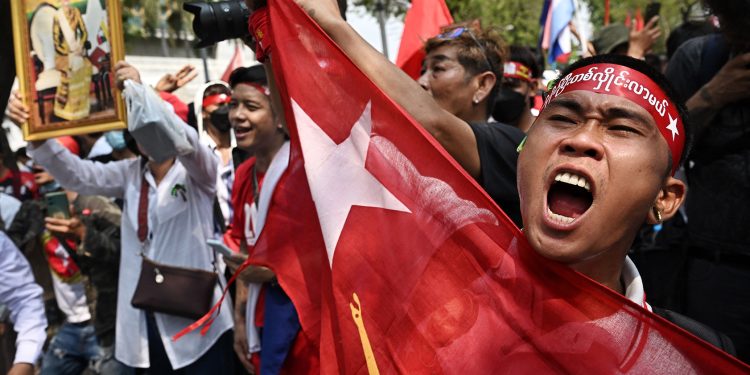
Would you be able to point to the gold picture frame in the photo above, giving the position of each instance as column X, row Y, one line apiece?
column 65, row 51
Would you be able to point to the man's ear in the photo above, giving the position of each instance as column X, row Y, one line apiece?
column 486, row 81
column 669, row 200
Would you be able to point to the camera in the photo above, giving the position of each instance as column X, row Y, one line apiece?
column 217, row 21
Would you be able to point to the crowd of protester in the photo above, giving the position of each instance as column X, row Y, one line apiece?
column 133, row 210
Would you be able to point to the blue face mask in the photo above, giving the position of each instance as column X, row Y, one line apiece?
column 116, row 139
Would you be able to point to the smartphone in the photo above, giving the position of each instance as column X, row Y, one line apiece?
column 219, row 247
column 57, row 205
column 652, row 10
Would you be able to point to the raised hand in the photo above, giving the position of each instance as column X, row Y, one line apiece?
column 124, row 72
column 17, row 112
column 171, row 82
column 642, row 41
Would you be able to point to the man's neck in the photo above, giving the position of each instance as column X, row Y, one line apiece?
column 263, row 157
column 604, row 271
column 222, row 139
column 478, row 113
column 159, row 170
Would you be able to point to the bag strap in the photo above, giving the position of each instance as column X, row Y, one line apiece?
column 219, row 216
column 143, row 209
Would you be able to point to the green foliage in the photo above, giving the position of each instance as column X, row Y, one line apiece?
column 142, row 18
column 517, row 19
column 671, row 14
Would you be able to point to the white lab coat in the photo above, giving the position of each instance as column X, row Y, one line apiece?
column 178, row 228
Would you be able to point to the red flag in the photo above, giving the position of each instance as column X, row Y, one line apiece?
column 627, row 19
column 423, row 21
column 398, row 262
column 234, row 63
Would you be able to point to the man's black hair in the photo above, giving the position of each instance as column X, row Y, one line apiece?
column 526, row 56
column 254, row 74
column 216, row 88
column 655, row 76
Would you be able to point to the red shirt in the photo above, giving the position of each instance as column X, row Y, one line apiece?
column 243, row 201
column 26, row 185
column 243, row 226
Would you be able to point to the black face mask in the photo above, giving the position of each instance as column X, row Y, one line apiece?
column 220, row 119
column 509, row 105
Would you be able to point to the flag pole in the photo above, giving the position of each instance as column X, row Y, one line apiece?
column 204, row 57
column 380, row 11
column 606, row 12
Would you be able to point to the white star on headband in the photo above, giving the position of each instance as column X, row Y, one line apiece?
column 672, row 126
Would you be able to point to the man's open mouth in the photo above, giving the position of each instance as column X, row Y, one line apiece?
column 569, row 197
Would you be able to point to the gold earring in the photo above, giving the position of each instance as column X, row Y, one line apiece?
column 658, row 215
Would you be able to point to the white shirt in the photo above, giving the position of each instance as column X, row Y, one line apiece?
column 255, row 218
column 224, row 180
column 9, row 206
column 178, row 232
column 24, row 299
column 633, row 283
column 70, row 292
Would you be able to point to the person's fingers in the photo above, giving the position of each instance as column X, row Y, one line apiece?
column 17, row 114
column 187, row 78
column 185, row 70
column 240, row 348
column 653, row 22
column 16, row 102
column 56, row 228
column 121, row 65
column 56, row 221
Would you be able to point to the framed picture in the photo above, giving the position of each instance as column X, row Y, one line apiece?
column 65, row 52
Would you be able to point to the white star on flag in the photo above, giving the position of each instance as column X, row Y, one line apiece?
column 337, row 175
column 672, row 126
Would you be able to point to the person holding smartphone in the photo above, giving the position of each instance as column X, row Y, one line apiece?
column 259, row 132
column 178, row 193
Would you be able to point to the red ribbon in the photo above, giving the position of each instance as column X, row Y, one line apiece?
column 258, row 26
column 216, row 99
column 207, row 320
column 635, row 86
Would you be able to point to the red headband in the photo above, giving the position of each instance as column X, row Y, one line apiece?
column 258, row 26
column 262, row 89
column 513, row 69
column 632, row 85
column 216, row 99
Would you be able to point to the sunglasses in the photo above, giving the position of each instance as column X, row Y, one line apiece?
column 457, row 32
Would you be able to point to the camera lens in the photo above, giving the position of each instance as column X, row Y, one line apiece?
column 214, row 22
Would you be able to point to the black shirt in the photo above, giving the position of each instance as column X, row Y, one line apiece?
column 718, row 200
column 496, row 144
